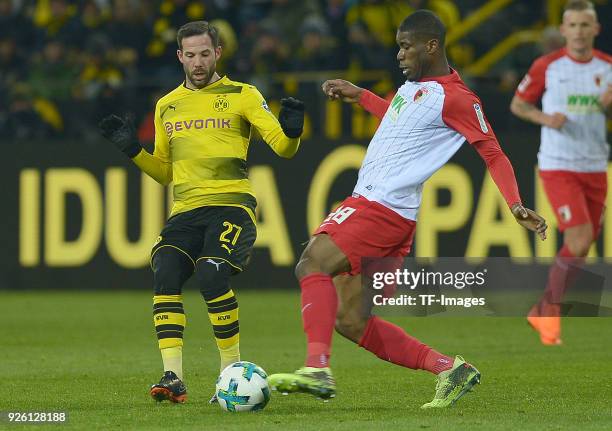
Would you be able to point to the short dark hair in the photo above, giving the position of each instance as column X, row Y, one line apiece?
column 196, row 28
column 424, row 23
column 579, row 5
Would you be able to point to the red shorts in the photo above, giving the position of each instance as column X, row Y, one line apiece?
column 576, row 197
column 363, row 228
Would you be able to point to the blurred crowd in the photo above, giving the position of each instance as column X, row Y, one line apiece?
column 64, row 64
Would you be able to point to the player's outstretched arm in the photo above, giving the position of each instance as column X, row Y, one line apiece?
column 349, row 92
column 530, row 220
column 122, row 134
column 529, row 112
column 341, row 89
column 502, row 173
column 282, row 134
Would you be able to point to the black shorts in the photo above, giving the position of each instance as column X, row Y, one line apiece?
column 224, row 232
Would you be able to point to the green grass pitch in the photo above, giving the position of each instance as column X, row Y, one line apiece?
column 94, row 355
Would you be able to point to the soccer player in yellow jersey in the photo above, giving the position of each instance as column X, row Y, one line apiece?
column 202, row 133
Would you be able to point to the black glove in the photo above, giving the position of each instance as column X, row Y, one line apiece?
column 291, row 117
column 121, row 132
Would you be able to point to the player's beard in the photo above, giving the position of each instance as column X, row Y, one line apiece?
column 200, row 82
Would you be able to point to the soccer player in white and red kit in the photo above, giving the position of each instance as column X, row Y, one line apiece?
column 425, row 124
column 574, row 85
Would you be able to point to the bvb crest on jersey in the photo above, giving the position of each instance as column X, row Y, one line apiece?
column 221, row 104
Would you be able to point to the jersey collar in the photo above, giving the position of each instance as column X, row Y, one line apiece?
column 574, row 59
column 452, row 76
column 222, row 80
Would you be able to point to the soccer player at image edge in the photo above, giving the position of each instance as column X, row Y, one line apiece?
column 574, row 85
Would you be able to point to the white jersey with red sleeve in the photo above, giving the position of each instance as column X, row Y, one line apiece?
column 424, row 126
column 573, row 88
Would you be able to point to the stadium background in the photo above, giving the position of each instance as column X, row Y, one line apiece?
column 78, row 219
column 78, row 215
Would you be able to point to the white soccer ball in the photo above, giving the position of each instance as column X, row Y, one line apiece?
column 243, row 387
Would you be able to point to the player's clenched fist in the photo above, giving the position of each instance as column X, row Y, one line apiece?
column 341, row 89
column 121, row 132
column 556, row 120
column 530, row 220
column 291, row 117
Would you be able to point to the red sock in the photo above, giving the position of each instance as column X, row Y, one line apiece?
column 319, row 307
column 561, row 275
column 391, row 343
column 436, row 362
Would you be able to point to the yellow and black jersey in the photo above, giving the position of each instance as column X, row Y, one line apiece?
column 201, row 143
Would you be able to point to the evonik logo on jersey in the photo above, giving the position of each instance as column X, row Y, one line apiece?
column 206, row 123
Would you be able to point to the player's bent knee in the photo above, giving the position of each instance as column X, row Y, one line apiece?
column 306, row 265
column 171, row 268
column 311, row 262
column 579, row 249
column 213, row 278
column 580, row 245
column 350, row 327
column 321, row 256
